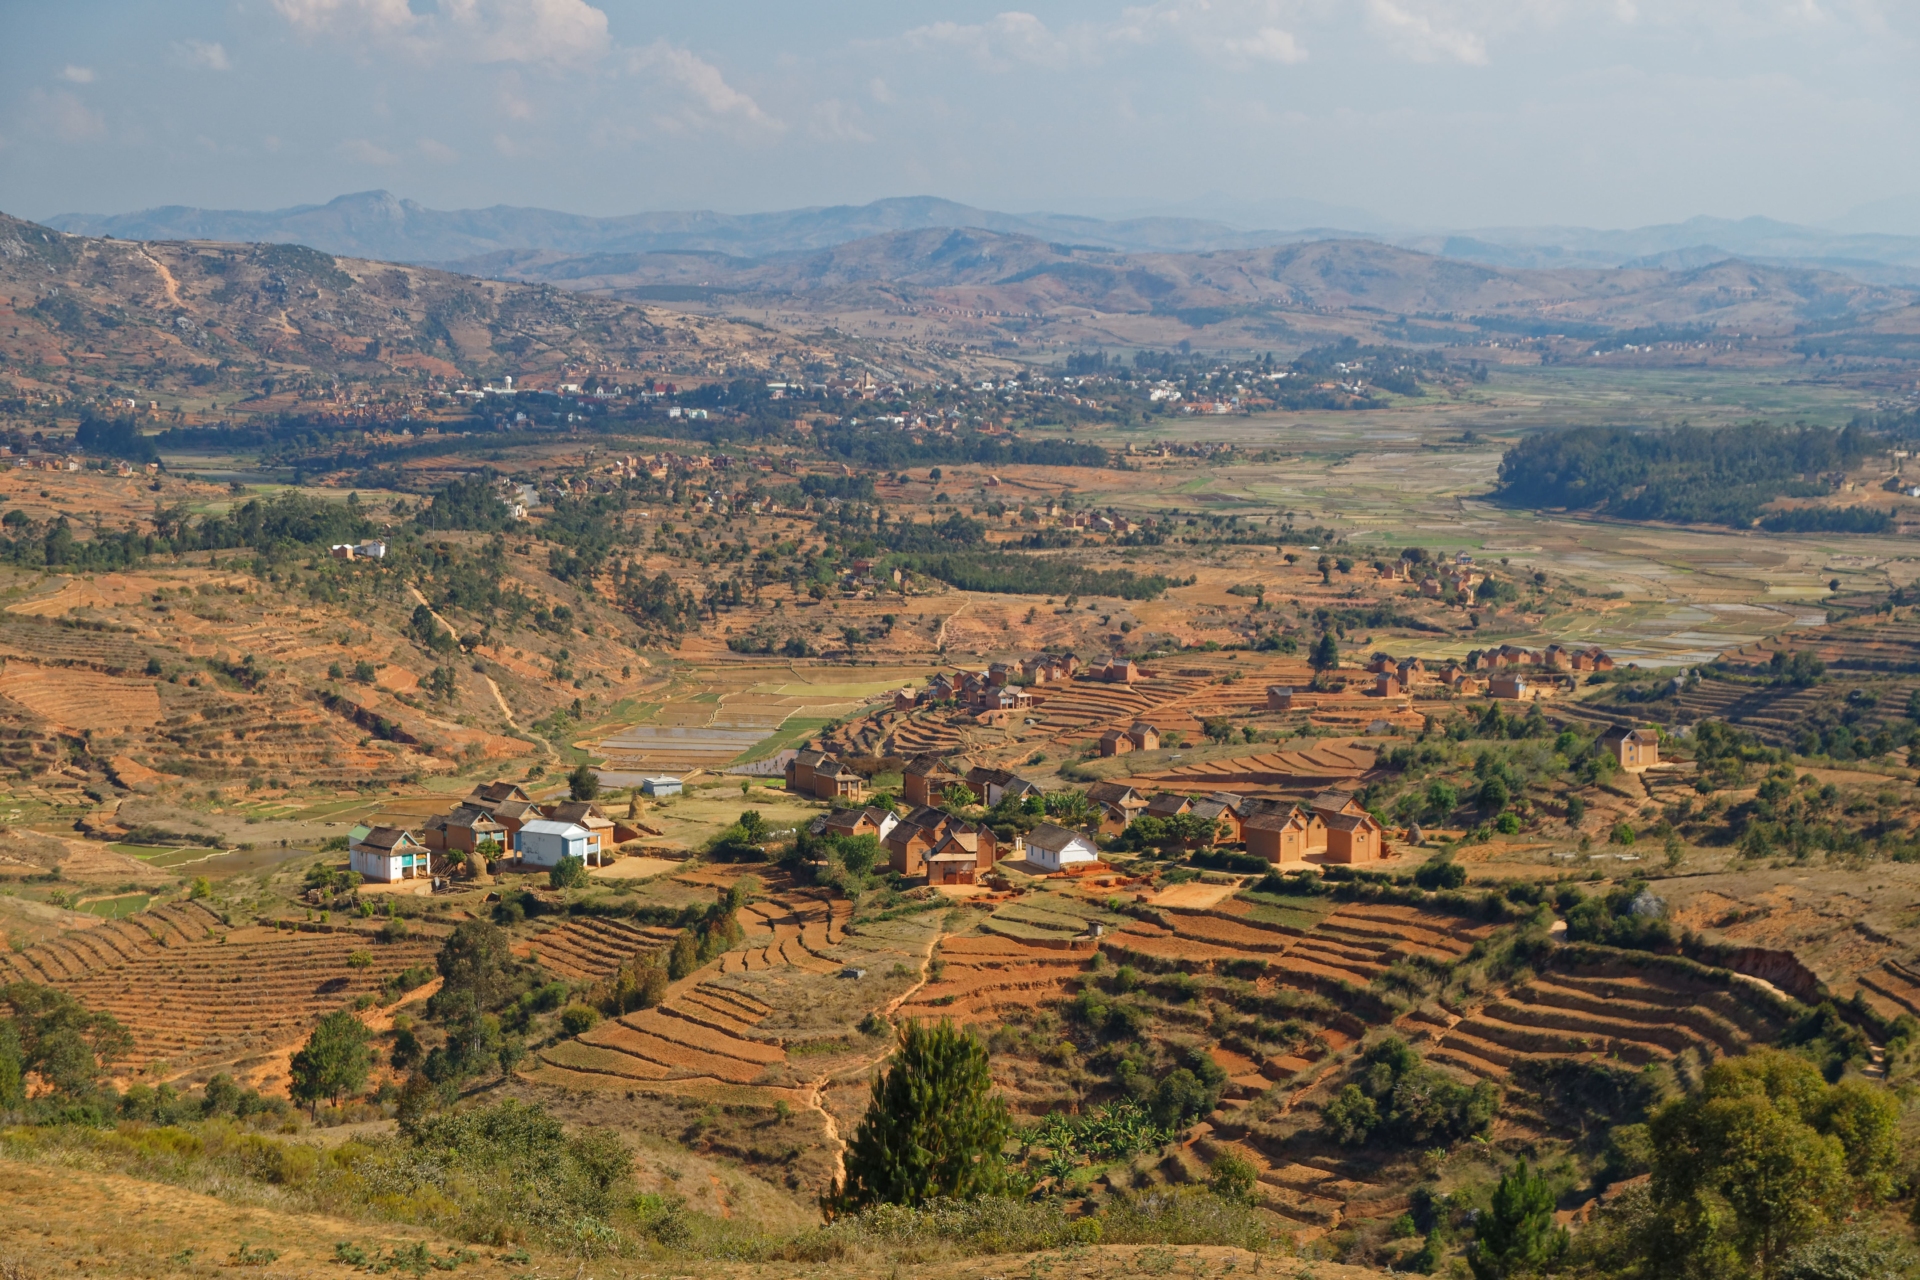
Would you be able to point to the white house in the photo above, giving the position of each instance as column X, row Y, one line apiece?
column 1056, row 848
column 660, row 786
column 388, row 854
column 543, row 842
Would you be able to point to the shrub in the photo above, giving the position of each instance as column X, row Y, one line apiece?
column 568, row 873
column 1231, row 1177
column 577, row 1018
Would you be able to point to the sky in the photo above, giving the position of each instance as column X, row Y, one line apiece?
column 1415, row 113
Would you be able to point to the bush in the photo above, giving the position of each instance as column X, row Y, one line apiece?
column 568, row 873
column 577, row 1018
column 1231, row 1177
column 1440, row 873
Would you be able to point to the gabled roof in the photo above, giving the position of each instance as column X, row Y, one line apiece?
column 584, row 812
column 494, row 792
column 1239, row 804
column 956, row 845
column 1168, row 803
column 810, row 759
column 1352, row 821
column 1277, row 821
column 548, row 827
column 1213, row 809
column 1116, row 793
column 1049, row 836
column 1621, row 733
column 927, row 764
column 388, row 838
column 472, row 819
column 515, row 809
column 1332, row 801
column 1114, row 735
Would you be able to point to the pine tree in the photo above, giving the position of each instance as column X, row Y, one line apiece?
column 1326, row 654
column 933, row 1128
column 1516, row 1235
column 334, row 1061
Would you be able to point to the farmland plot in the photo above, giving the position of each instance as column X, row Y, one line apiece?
column 197, row 995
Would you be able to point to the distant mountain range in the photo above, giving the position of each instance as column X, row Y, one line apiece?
column 379, row 225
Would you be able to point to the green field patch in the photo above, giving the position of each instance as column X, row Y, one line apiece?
column 1022, row 914
column 182, row 856
column 1291, row 913
column 1024, row 932
column 116, row 908
column 145, row 851
column 790, row 734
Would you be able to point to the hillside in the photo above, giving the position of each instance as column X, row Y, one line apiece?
column 1301, row 283
column 177, row 316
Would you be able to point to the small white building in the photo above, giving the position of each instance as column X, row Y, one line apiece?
column 1053, row 848
column 660, row 786
column 388, row 854
column 375, row 550
column 544, row 842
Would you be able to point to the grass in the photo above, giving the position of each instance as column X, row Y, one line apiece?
column 791, row 733
column 116, row 908
column 144, row 851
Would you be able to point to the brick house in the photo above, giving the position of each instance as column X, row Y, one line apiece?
column 1636, row 750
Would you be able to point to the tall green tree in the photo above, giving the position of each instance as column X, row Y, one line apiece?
column 480, row 973
column 1517, row 1235
column 334, row 1062
column 1765, row 1156
column 583, row 783
column 54, row 1036
column 1326, row 653
column 934, row 1127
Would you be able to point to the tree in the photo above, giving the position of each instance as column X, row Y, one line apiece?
column 1071, row 807
column 1517, row 1235
column 568, row 873
column 1326, row 654
column 1756, row 1162
column 334, row 1061
column 56, row 1037
column 958, row 796
column 933, row 1128
column 857, row 853
column 480, row 971
column 583, row 783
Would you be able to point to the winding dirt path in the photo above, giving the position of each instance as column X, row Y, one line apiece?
column 817, row 1087
column 166, row 277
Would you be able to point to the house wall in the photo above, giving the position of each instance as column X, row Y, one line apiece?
column 1362, row 844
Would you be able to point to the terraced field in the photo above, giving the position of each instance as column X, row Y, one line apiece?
column 588, row 949
column 196, row 994
column 790, row 929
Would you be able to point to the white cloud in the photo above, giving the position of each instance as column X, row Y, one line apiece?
column 437, row 151
column 362, row 151
column 1268, row 44
column 835, row 121
column 533, row 31
column 77, row 75
column 65, row 116
column 879, row 91
column 201, row 55
column 1424, row 37
column 700, row 94
column 998, row 43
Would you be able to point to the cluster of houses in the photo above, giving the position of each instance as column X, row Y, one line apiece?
column 1332, row 824
column 498, row 821
column 996, row 690
column 1505, row 672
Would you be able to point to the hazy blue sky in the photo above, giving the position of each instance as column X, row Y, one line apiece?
column 1427, row 112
